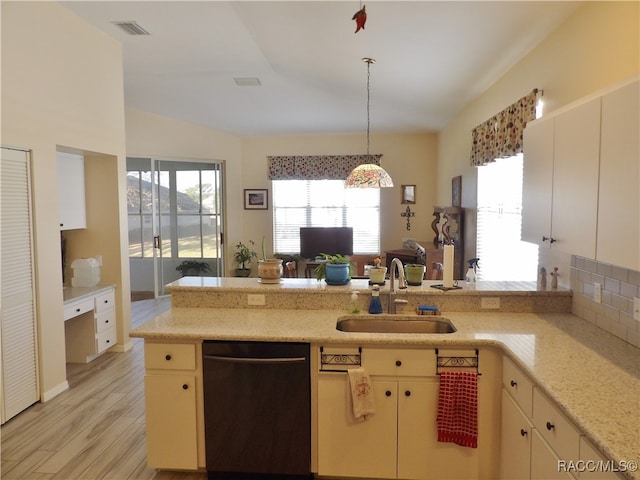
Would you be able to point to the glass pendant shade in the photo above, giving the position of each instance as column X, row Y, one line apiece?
column 368, row 175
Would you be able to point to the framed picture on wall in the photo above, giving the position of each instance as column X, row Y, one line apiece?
column 408, row 194
column 256, row 199
column 456, row 191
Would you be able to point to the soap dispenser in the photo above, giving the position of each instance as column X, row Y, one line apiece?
column 470, row 277
column 375, row 306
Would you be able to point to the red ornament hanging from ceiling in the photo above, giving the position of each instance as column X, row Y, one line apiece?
column 361, row 18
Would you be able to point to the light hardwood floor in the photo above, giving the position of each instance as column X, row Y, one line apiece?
column 94, row 430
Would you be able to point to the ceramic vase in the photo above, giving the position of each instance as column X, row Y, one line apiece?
column 270, row 270
column 337, row 273
column 377, row 274
column 414, row 273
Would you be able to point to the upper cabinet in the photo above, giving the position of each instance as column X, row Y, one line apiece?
column 560, row 191
column 581, row 171
column 619, row 201
column 71, row 190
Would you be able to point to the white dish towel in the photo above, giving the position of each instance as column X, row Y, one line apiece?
column 360, row 401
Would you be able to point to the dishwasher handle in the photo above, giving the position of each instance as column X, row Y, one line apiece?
column 274, row 360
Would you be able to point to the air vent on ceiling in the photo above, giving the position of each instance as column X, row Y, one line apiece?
column 132, row 28
column 247, row 81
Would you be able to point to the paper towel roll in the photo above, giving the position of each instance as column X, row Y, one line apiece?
column 447, row 275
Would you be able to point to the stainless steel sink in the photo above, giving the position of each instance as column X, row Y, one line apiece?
column 394, row 324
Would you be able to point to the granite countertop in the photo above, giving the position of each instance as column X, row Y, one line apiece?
column 593, row 376
column 308, row 285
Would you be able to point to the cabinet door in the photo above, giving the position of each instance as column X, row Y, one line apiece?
column 170, row 403
column 515, row 434
column 619, row 200
column 417, row 431
column 593, row 458
column 71, row 191
column 575, row 179
column 365, row 449
column 537, row 184
column 545, row 464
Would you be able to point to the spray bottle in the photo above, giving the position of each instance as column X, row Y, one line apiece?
column 470, row 277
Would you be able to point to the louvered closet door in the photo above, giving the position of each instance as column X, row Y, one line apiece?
column 19, row 386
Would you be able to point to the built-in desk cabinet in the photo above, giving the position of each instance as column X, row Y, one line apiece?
column 71, row 191
column 90, row 325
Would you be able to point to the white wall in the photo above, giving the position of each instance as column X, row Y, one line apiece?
column 62, row 86
column 595, row 47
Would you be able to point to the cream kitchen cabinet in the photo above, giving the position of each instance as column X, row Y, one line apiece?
column 90, row 323
column 400, row 439
column 173, row 405
column 619, row 201
column 538, row 442
column 561, row 160
column 581, row 167
column 71, row 191
column 515, row 434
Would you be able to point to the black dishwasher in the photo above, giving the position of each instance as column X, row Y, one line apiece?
column 257, row 408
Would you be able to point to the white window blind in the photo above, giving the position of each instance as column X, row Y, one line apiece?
column 503, row 256
column 324, row 203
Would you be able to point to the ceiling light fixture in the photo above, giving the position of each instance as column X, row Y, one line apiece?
column 368, row 175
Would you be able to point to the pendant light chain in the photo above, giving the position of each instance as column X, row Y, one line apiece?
column 368, row 61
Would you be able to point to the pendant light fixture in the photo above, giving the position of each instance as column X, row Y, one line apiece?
column 368, row 175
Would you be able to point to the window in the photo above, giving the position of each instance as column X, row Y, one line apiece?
column 503, row 256
column 325, row 203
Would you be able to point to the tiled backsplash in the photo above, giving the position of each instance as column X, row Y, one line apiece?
column 619, row 287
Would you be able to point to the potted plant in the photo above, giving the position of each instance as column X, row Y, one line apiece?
column 269, row 269
column 377, row 273
column 414, row 273
column 335, row 269
column 243, row 257
column 193, row 267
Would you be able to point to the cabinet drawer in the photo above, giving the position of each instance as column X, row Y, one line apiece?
column 555, row 428
column 169, row 356
column 77, row 308
column 105, row 301
column 398, row 362
column 106, row 339
column 105, row 320
column 518, row 385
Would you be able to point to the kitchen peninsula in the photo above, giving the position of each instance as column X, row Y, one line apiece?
column 589, row 377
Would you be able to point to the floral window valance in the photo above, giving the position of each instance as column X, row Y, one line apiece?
column 317, row 167
column 501, row 135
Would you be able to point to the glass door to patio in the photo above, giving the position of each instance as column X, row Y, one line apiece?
column 175, row 221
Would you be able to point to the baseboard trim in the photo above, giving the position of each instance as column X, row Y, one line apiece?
column 54, row 392
column 122, row 348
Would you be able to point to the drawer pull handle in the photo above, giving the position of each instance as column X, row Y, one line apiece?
column 407, row 393
column 106, row 321
column 550, row 426
column 108, row 341
column 77, row 309
column 185, row 386
column 514, row 384
column 388, row 393
column 523, row 432
column 167, row 357
column 106, row 301
column 398, row 363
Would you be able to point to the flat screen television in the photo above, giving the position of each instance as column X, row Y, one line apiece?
column 330, row 240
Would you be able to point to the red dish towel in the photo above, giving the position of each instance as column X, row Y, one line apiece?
column 458, row 408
